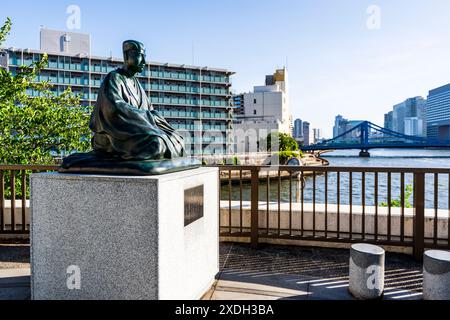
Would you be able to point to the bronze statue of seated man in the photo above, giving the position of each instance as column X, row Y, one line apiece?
column 129, row 137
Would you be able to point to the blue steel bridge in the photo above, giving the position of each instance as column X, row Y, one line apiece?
column 367, row 135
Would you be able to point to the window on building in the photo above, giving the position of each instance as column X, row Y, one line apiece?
column 254, row 101
column 254, row 112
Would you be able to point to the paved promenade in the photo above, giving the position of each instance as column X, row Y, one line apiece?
column 15, row 284
column 281, row 272
column 270, row 273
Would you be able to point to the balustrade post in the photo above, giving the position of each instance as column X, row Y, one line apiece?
column 419, row 216
column 254, row 207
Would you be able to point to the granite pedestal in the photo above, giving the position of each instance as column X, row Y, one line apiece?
column 436, row 275
column 122, row 237
column 367, row 263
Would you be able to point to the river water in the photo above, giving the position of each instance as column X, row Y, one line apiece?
column 399, row 158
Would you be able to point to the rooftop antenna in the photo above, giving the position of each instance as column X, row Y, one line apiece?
column 193, row 53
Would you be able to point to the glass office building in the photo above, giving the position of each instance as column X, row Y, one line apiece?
column 438, row 113
column 194, row 100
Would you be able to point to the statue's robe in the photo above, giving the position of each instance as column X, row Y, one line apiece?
column 126, row 126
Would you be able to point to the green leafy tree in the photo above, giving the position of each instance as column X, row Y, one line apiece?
column 285, row 142
column 288, row 146
column 35, row 130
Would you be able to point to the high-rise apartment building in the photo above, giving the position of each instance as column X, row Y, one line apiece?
column 438, row 113
column 195, row 100
column 266, row 110
column 408, row 117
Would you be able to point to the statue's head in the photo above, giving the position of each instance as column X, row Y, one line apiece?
column 134, row 56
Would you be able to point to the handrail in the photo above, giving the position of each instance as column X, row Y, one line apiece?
column 16, row 183
column 333, row 169
column 291, row 220
column 259, row 218
column 37, row 167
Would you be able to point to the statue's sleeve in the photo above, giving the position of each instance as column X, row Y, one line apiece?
column 115, row 116
column 161, row 122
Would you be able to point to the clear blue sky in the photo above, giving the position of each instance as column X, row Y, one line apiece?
column 336, row 63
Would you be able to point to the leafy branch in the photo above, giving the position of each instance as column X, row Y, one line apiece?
column 397, row 203
column 38, row 129
column 4, row 31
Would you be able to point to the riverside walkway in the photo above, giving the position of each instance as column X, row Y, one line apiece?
column 270, row 273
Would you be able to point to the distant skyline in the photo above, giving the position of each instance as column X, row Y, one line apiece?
column 357, row 58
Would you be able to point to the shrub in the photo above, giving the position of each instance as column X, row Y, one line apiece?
column 397, row 203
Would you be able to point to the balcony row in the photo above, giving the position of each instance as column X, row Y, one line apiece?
column 193, row 114
column 186, row 89
column 195, row 127
column 170, row 75
column 78, row 81
column 188, row 77
column 203, row 141
column 83, row 96
column 189, row 102
column 155, row 100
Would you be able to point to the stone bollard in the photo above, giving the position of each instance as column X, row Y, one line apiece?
column 366, row 271
column 436, row 275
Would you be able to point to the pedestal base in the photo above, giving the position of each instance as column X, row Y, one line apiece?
column 91, row 163
column 122, row 237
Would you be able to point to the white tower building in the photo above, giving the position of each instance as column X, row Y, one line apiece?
column 267, row 110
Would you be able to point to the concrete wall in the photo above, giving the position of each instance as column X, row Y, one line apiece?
column 268, row 104
column 18, row 214
column 443, row 218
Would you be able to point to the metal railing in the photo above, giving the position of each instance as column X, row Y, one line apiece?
column 257, row 202
column 320, row 204
column 14, row 179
